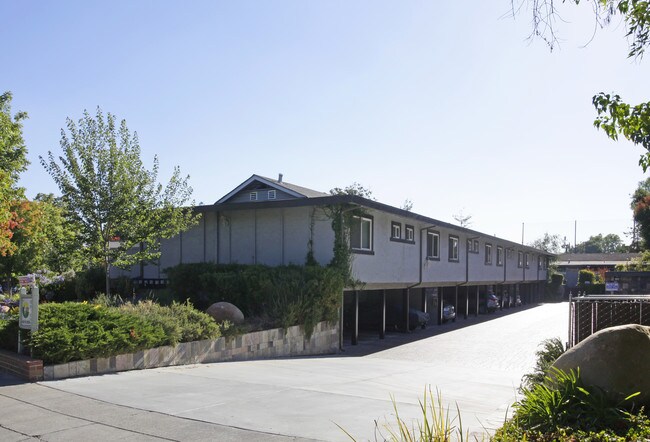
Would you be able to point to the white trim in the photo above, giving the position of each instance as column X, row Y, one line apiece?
column 263, row 181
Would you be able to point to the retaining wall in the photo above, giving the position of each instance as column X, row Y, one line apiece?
column 264, row 344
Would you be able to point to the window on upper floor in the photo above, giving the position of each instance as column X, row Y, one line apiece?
column 520, row 259
column 253, row 196
column 271, row 194
column 453, row 248
column 361, row 233
column 409, row 233
column 488, row 254
column 396, row 230
column 526, row 258
column 499, row 255
column 433, row 245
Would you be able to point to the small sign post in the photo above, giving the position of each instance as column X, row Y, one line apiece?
column 27, row 306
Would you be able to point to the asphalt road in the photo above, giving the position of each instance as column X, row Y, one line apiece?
column 476, row 364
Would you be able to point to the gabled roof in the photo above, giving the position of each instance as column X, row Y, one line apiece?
column 291, row 189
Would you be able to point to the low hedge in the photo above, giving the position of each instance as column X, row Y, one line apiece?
column 73, row 331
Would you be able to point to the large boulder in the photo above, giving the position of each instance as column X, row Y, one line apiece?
column 225, row 311
column 615, row 359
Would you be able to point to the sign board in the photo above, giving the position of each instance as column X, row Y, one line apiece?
column 27, row 280
column 28, row 309
column 611, row 287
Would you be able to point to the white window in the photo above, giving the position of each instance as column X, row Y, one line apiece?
column 499, row 255
column 527, row 261
column 453, row 248
column 410, row 233
column 520, row 259
column 271, row 194
column 488, row 254
column 253, row 196
column 361, row 233
column 433, row 245
column 396, row 230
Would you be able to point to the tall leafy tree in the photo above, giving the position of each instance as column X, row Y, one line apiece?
column 640, row 205
column 614, row 116
column 610, row 243
column 43, row 240
column 548, row 243
column 13, row 161
column 118, row 207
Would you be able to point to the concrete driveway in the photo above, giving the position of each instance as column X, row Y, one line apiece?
column 475, row 363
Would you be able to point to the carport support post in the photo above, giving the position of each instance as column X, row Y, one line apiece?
column 478, row 289
column 355, row 319
column 456, row 301
column 382, row 324
column 439, row 307
column 341, row 320
column 466, row 302
column 424, row 300
column 405, row 309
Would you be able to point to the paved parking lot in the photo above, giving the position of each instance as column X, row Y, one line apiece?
column 476, row 364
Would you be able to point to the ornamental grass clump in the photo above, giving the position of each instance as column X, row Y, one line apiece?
column 435, row 424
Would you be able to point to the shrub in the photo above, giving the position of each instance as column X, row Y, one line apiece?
column 89, row 283
column 546, row 356
column 181, row 322
column 562, row 407
column 76, row 331
column 9, row 333
column 288, row 295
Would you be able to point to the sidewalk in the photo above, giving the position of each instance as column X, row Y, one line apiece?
column 40, row 413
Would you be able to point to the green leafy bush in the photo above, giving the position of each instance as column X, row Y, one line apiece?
column 288, row 295
column 76, row 331
column 181, row 322
column 562, row 408
column 550, row 350
column 9, row 333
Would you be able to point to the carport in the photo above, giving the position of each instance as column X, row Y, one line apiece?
column 373, row 310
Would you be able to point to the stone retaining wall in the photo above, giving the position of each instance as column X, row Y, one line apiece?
column 257, row 345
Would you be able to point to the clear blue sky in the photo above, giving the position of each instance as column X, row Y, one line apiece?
column 443, row 103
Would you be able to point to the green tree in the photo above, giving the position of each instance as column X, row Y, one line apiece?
column 548, row 243
column 118, row 207
column 353, row 189
column 13, row 161
column 640, row 205
column 43, row 240
column 610, row 243
column 614, row 116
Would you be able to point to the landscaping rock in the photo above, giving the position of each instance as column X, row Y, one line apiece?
column 615, row 359
column 225, row 311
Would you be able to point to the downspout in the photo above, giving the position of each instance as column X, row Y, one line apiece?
column 420, row 260
column 466, row 278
